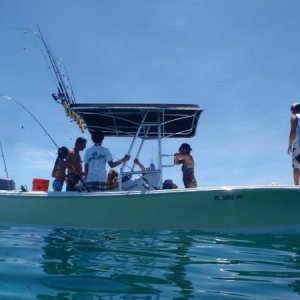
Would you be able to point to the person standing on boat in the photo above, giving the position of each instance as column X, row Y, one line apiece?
column 75, row 172
column 95, row 160
column 294, row 141
column 59, row 169
column 186, row 159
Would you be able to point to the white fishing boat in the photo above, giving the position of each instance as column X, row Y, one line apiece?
column 140, row 202
column 261, row 209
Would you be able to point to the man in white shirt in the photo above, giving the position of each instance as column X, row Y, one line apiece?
column 95, row 160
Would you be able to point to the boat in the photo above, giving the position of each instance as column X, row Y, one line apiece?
column 140, row 202
column 143, row 204
column 257, row 209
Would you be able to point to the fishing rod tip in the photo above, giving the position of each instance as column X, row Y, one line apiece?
column 6, row 97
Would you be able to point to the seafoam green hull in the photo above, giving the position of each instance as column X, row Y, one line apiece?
column 238, row 209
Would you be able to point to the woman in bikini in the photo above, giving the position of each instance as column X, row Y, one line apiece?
column 187, row 161
column 59, row 170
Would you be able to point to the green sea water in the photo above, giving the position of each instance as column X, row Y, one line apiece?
column 57, row 263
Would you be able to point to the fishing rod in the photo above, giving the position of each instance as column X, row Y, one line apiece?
column 32, row 115
column 63, row 85
column 39, row 123
column 5, row 168
column 65, row 91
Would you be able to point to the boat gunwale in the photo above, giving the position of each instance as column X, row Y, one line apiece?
column 150, row 192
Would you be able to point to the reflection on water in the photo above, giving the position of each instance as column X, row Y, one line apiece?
column 51, row 263
column 125, row 263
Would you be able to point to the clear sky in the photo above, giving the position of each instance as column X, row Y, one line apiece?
column 237, row 59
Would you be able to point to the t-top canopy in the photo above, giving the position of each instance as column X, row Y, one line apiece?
column 127, row 120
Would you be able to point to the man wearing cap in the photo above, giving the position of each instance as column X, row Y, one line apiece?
column 294, row 141
column 186, row 159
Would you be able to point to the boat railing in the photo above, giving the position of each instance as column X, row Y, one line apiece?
column 141, row 172
column 167, row 165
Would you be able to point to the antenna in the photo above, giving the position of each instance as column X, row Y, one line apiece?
column 5, row 168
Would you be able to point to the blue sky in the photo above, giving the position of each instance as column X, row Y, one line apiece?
column 237, row 59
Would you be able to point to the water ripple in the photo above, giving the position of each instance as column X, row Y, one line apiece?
column 56, row 263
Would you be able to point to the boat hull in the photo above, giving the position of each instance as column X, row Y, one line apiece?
column 240, row 209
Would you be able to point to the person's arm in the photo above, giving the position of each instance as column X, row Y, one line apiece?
column 114, row 164
column 179, row 158
column 69, row 166
column 141, row 166
column 292, row 135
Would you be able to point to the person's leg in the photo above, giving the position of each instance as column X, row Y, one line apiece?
column 68, row 188
column 57, row 185
column 296, row 176
column 72, row 180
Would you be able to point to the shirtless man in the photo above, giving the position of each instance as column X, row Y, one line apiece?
column 75, row 172
column 187, row 161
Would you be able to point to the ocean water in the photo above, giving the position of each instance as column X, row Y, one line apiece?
column 57, row 263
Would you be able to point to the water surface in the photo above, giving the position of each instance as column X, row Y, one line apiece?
column 57, row 263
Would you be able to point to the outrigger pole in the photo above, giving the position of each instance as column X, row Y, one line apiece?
column 5, row 168
column 64, row 88
column 65, row 95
